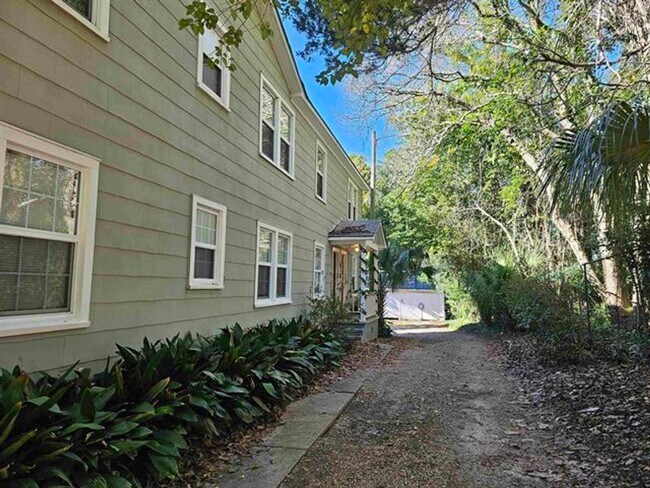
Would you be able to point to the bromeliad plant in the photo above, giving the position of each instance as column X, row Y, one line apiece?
column 129, row 423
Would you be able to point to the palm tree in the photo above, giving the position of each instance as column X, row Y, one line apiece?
column 605, row 167
column 395, row 266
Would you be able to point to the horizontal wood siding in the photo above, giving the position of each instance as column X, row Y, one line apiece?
column 133, row 102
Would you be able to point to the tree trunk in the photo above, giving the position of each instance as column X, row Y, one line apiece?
column 563, row 226
column 615, row 293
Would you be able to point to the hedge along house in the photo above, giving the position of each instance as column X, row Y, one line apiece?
column 145, row 192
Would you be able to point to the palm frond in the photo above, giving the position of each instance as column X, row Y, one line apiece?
column 607, row 163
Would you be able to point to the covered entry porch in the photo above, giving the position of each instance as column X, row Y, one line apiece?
column 354, row 245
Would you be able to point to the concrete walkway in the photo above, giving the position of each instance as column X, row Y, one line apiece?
column 302, row 424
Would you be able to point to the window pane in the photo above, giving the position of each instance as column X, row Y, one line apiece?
column 263, row 281
column 13, row 210
column 81, row 6
column 8, row 290
column 65, row 217
column 318, row 282
column 212, row 75
column 285, row 159
column 56, row 292
column 320, row 161
column 31, row 292
column 318, row 259
column 268, row 107
column 268, row 142
column 265, row 244
column 39, row 194
column 41, row 213
column 34, row 275
column 285, row 124
column 33, row 256
column 43, row 177
column 319, row 185
column 206, row 227
column 281, row 286
column 17, row 168
column 204, row 263
column 283, row 250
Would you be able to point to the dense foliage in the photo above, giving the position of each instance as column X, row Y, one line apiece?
column 129, row 423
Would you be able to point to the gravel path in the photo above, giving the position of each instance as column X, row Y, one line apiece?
column 442, row 413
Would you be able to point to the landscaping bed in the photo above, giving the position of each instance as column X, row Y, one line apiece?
column 128, row 425
column 212, row 456
column 599, row 412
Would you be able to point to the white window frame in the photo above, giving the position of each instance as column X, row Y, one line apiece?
column 224, row 99
column 353, row 201
column 273, row 300
column 277, row 137
column 82, row 262
column 323, row 269
column 221, row 212
column 100, row 13
column 321, row 148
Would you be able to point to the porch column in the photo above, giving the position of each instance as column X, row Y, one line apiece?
column 363, row 283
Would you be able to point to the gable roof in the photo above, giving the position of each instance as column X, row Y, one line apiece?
column 359, row 231
column 356, row 228
column 299, row 97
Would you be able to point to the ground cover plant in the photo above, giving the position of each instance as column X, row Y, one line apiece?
column 127, row 425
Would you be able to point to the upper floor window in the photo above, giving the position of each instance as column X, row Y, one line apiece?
column 353, row 199
column 94, row 14
column 48, row 196
column 321, row 171
column 208, row 244
column 273, row 273
column 277, row 122
column 212, row 77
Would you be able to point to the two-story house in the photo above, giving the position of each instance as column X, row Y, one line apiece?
column 146, row 192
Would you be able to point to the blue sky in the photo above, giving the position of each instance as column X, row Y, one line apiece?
column 334, row 103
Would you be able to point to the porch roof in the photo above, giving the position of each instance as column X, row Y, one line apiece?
column 368, row 233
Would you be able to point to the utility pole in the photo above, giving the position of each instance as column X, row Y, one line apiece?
column 373, row 166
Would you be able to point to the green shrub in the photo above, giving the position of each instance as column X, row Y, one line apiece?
column 129, row 423
column 539, row 302
column 329, row 310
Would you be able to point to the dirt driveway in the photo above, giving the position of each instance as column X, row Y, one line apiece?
column 442, row 413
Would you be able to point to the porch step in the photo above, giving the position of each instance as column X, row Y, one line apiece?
column 353, row 330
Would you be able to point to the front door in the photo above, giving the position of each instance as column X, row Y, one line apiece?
column 339, row 273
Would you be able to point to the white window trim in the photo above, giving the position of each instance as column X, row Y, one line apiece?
column 223, row 100
column 353, row 201
column 272, row 301
column 321, row 148
column 100, row 10
column 318, row 245
column 79, row 314
column 200, row 203
column 279, row 102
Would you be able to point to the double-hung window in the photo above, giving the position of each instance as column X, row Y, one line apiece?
column 353, row 198
column 273, row 273
column 212, row 77
column 321, row 171
column 48, row 196
column 94, row 14
column 277, row 123
column 319, row 270
column 207, row 254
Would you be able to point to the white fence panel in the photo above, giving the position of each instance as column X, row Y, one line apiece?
column 416, row 305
